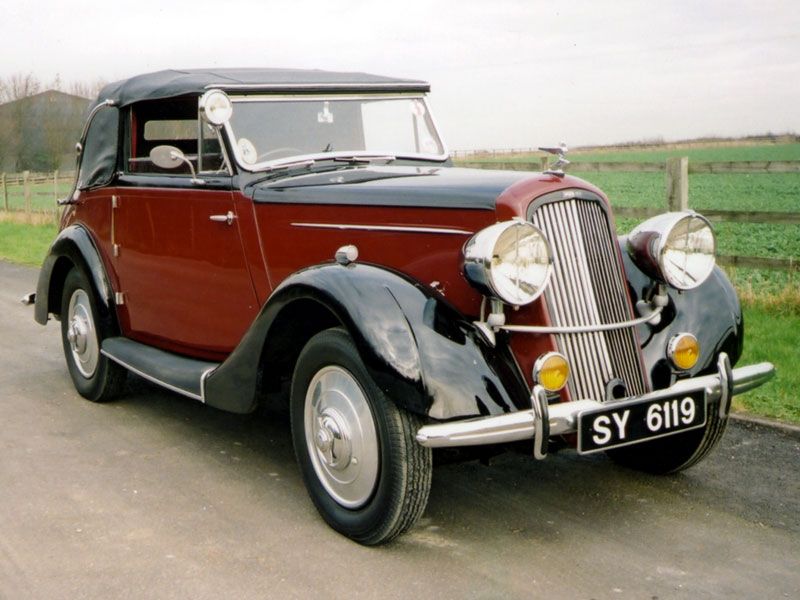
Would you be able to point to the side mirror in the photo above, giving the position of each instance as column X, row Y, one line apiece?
column 170, row 157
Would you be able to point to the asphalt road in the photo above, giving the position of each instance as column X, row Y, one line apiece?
column 157, row 496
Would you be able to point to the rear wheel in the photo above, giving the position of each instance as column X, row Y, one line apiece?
column 95, row 376
column 364, row 470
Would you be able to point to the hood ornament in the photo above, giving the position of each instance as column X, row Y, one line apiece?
column 557, row 168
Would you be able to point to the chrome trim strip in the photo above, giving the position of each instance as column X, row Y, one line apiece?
column 316, row 97
column 397, row 228
column 410, row 87
column 583, row 328
column 563, row 417
column 151, row 378
column 203, row 378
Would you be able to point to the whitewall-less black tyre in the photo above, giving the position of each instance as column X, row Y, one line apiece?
column 364, row 470
column 673, row 453
column 95, row 376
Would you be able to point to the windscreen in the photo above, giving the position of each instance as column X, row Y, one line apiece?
column 267, row 130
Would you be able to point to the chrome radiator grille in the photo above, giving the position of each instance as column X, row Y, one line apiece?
column 587, row 288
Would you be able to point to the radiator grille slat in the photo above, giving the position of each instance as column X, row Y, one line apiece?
column 587, row 288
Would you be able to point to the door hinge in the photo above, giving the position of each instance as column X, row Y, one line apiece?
column 119, row 298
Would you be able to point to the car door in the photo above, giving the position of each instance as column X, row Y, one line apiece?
column 177, row 252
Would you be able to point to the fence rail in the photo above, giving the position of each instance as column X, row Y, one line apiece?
column 677, row 170
column 54, row 185
column 774, row 166
column 22, row 192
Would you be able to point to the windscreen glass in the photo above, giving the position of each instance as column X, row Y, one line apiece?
column 272, row 130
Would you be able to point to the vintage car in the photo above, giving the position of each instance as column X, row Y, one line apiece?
column 246, row 236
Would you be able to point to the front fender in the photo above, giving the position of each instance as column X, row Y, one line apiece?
column 419, row 350
column 72, row 246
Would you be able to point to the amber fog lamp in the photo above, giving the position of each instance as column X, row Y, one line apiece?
column 216, row 107
column 678, row 248
column 510, row 260
column 551, row 371
column 683, row 350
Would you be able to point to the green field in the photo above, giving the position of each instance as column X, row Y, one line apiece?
column 729, row 191
column 720, row 153
column 41, row 195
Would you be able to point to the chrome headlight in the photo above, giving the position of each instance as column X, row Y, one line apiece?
column 509, row 260
column 216, row 107
column 678, row 248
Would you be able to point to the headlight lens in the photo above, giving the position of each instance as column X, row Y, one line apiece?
column 678, row 248
column 510, row 260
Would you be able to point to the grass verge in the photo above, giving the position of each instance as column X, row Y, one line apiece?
column 25, row 244
column 772, row 336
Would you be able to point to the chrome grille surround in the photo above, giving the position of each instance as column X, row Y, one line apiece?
column 588, row 288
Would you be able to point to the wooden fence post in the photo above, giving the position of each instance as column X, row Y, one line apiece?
column 26, row 190
column 55, row 186
column 5, row 193
column 678, row 183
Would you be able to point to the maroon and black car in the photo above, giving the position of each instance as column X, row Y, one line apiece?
column 250, row 236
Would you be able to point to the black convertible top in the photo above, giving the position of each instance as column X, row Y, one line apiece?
column 100, row 145
column 174, row 82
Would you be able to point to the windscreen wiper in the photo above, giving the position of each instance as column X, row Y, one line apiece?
column 353, row 160
column 290, row 165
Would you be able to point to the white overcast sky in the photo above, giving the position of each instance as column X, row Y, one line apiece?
column 505, row 73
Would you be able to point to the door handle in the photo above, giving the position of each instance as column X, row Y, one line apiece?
column 228, row 218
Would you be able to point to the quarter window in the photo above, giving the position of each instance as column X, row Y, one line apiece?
column 173, row 123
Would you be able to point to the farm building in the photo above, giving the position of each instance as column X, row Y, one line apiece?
column 38, row 133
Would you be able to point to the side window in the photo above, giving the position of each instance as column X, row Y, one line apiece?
column 172, row 123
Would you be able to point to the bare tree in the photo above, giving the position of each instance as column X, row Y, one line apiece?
column 87, row 89
column 21, row 85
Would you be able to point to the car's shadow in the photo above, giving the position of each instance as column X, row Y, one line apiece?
column 514, row 495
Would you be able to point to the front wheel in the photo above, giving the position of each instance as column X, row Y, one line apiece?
column 673, row 453
column 362, row 466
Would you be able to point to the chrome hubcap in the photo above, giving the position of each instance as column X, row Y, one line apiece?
column 341, row 437
column 81, row 334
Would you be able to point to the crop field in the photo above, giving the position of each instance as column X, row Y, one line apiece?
column 710, row 153
column 728, row 191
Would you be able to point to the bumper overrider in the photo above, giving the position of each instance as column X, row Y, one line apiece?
column 671, row 406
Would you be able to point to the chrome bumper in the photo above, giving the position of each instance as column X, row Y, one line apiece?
column 543, row 420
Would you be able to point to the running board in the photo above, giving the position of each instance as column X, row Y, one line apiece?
column 177, row 373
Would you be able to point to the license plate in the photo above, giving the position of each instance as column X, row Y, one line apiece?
column 627, row 423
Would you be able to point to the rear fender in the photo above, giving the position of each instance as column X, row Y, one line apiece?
column 74, row 246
